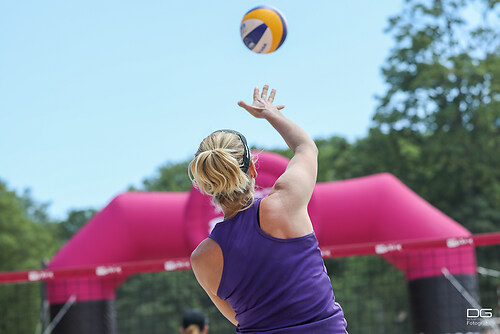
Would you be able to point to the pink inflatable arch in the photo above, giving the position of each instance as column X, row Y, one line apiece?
column 161, row 225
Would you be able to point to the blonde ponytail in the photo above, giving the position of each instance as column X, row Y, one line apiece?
column 192, row 329
column 216, row 171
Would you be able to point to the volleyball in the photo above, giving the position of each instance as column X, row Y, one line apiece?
column 263, row 29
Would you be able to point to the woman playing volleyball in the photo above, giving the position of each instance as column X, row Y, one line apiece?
column 261, row 266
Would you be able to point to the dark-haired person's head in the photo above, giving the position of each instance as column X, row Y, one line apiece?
column 194, row 322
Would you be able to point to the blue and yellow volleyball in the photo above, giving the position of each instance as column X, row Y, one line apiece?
column 263, row 29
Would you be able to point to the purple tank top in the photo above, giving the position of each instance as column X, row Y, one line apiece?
column 275, row 285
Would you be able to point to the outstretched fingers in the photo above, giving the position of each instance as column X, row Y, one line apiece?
column 264, row 92
column 262, row 102
column 272, row 95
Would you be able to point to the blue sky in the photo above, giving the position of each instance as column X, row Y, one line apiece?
column 96, row 95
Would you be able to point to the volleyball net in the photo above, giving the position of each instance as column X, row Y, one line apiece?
column 447, row 285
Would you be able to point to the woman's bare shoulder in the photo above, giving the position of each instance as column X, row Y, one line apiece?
column 208, row 250
column 281, row 221
column 207, row 263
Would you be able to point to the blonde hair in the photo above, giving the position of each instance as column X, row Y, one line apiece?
column 216, row 171
column 192, row 329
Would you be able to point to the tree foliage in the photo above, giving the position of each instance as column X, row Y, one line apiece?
column 25, row 240
column 440, row 116
column 75, row 220
column 170, row 177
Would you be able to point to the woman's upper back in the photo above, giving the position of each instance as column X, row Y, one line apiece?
column 272, row 283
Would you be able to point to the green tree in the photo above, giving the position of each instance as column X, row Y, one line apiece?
column 25, row 240
column 439, row 121
column 73, row 222
column 170, row 177
column 437, row 127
